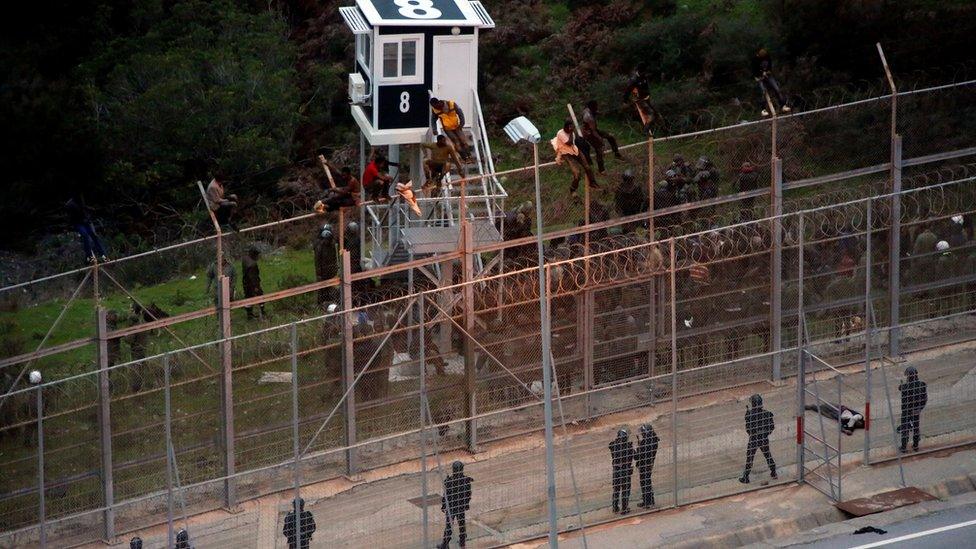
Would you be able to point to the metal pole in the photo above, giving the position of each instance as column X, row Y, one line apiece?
column 546, row 363
column 674, row 377
column 227, row 392
column 801, row 369
column 776, row 288
column 423, row 420
column 294, row 408
column 40, row 466
column 168, row 419
column 840, row 436
column 894, row 234
column 867, row 338
column 105, row 423
column 894, row 251
column 652, row 283
column 348, row 366
column 470, row 375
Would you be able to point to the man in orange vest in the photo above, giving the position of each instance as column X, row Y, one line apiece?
column 452, row 120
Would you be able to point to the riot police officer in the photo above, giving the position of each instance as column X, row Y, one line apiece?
column 645, row 455
column 622, row 460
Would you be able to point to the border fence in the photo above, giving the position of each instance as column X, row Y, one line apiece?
column 807, row 288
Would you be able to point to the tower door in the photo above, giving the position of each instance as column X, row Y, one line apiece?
column 456, row 72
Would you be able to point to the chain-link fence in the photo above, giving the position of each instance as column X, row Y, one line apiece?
column 149, row 405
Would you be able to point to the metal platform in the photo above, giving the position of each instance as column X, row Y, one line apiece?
column 438, row 240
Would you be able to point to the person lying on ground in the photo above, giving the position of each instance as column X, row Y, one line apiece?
column 850, row 420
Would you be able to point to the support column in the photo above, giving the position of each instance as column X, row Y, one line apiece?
column 41, row 503
column 894, row 251
column 362, row 193
column 868, row 320
column 585, row 330
column 227, row 394
column 674, row 376
column 470, row 375
column 776, row 270
column 652, row 283
column 348, row 365
column 800, row 367
column 105, row 424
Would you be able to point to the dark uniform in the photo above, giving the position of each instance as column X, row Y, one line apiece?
column 645, row 455
column 455, row 502
column 252, row 279
column 299, row 533
column 914, row 397
column 759, row 425
column 326, row 263
column 622, row 459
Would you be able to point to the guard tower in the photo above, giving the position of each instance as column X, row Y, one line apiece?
column 408, row 51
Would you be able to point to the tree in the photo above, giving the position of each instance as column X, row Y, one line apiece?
column 207, row 88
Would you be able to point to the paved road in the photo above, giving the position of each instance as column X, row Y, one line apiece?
column 953, row 528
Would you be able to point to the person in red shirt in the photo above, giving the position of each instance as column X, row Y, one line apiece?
column 375, row 180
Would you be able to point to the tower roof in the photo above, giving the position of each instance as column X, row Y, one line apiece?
column 427, row 13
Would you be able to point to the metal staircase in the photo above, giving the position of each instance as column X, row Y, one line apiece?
column 395, row 234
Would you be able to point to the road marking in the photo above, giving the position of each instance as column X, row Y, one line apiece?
column 918, row 534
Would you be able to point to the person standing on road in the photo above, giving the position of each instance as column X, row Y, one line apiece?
column 622, row 459
column 183, row 540
column 914, row 397
column 455, row 502
column 646, row 453
column 759, row 425
column 299, row 531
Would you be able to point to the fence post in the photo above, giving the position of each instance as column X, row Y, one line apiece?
column 105, row 423
column 422, row 340
column 800, row 365
column 470, row 375
column 168, row 423
column 585, row 331
column 42, row 511
column 894, row 251
column 674, row 377
column 652, row 284
column 227, row 393
column 348, row 365
column 776, row 288
column 868, row 317
column 294, row 409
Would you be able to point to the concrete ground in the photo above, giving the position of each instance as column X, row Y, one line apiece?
column 509, row 481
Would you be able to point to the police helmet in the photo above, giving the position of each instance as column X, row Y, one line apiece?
column 622, row 434
column 755, row 401
column 326, row 231
column 457, row 467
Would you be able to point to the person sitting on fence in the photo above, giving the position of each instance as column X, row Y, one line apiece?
column 342, row 190
column 762, row 71
column 564, row 144
column 221, row 204
column 404, row 188
column 79, row 217
column 452, row 121
column 595, row 136
column 442, row 154
column 849, row 419
column 375, row 180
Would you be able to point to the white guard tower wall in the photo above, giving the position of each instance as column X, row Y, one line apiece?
column 406, row 52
